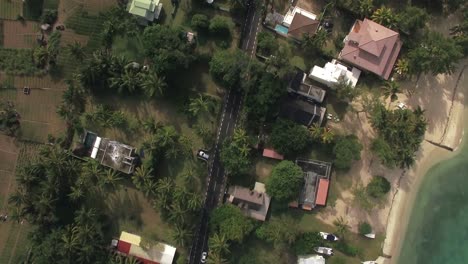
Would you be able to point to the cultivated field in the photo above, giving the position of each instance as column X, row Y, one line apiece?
column 20, row 35
column 10, row 9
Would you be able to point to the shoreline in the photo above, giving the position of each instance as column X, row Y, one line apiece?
column 429, row 155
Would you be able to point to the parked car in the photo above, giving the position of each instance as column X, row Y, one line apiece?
column 328, row 236
column 204, row 256
column 202, row 154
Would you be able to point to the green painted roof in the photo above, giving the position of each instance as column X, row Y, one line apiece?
column 143, row 8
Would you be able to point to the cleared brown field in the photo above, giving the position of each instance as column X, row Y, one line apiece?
column 42, row 82
column 20, row 35
column 70, row 37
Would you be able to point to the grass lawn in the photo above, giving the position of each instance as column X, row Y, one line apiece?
column 10, row 9
column 51, row 4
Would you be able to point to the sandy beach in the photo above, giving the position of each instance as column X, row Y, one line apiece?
column 442, row 98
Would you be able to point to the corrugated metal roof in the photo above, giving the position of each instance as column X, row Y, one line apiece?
column 130, row 238
column 322, row 192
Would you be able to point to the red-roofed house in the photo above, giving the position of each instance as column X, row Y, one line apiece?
column 371, row 47
column 159, row 253
column 271, row 153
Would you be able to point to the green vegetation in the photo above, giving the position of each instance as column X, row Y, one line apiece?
column 306, row 242
column 364, row 228
column 412, row 19
column 460, row 32
column 378, row 187
column 10, row 9
column 228, row 67
column 400, row 133
column 267, row 44
column 347, row 149
column 386, row 17
column 288, row 137
column 18, row 61
column 9, row 118
column 285, row 182
column 228, row 221
column 49, row 17
column 220, row 26
column 281, row 231
column 200, row 22
column 235, row 153
column 32, row 9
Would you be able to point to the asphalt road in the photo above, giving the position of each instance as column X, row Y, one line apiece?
column 217, row 178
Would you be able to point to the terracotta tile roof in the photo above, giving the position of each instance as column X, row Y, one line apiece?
column 271, row 153
column 301, row 25
column 372, row 47
column 322, row 192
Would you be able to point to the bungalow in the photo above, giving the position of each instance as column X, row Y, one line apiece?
column 131, row 245
column 371, row 47
column 109, row 153
column 301, row 86
column 316, row 184
column 310, row 259
column 333, row 73
column 253, row 203
column 300, row 22
column 302, row 112
column 146, row 10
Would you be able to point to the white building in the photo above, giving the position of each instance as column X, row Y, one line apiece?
column 288, row 18
column 333, row 72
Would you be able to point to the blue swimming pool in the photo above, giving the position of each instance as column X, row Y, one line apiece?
column 281, row 29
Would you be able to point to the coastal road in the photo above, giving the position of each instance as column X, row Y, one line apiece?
column 231, row 109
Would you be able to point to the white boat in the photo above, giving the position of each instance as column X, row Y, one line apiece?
column 328, row 236
column 370, row 235
column 369, row 262
column 324, row 251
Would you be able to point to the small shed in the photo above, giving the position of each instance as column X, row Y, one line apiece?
column 271, row 153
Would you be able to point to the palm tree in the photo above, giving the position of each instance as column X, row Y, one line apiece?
column 341, row 226
column 316, row 131
column 402, row 67
column 218, row 244
column 85, row 216
column 177, row 214
column 181, row 235
column 366, row 7
column 151, row 125
column 194, row 202
column 152, row 84
column 140, row 175
column 419, row 112
column 70, row 240
column 385, row 17
column 110, row 179
column 189, row 174
column 327, row 136
column 390, row 89
column 76, row 193
column 216, row 258
column 165, row 185
column 200, row 104
column 239, row 136
column 127, row 82
column 76, row 51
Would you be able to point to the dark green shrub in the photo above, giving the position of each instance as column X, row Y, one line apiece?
column 49, row 17
column 378, row 187
column 347, row 249
column 199, row 22
column 220, row 26
column 364, row 228
column 306, row 242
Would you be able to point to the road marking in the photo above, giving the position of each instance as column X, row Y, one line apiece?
column 227, row 128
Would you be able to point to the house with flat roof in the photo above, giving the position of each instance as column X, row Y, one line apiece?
column 316, row 184
column 302, row 86
column 300, row 22
column 147, row 253
column 302, row 112
column 147, row 10
column 253, row 203
column 333, row 73
column 310, row 259
column 107, row 152
column 371, row 47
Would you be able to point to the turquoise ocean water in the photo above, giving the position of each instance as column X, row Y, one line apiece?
column 438, row 227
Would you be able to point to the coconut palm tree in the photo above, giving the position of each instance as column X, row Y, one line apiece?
column 327, row 136
column 85, row 216
column 402, row 67
column 391, row 89
column 366, row 7
column 152, row 84
column 216, row 258
column 177, row 214
column 76, row 51
column 341, row 226
column 110, row 179
column 181, row 235
column 194, row 202
column 76, row 193
column 140, row 175
column 218, row 243
column 151, row 125
column 385, row 17
column 316, row 131
column 127, row 82
column 70, row 240
column 200, row 104
column 189, row 175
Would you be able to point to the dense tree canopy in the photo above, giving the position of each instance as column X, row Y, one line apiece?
column 436, row 54
column 400, row 132
column 200, row 22
column 285, row 182
column 229, row 222
column 347, row 150
column 306, row 242
column 288, row 137
column 235, row 153
column 281, row 231
column 220, row 25
column 9, row 118
column 412, row 19
column 267, row 43
column 167, row 47
column 228, row 67
column 460, row 31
